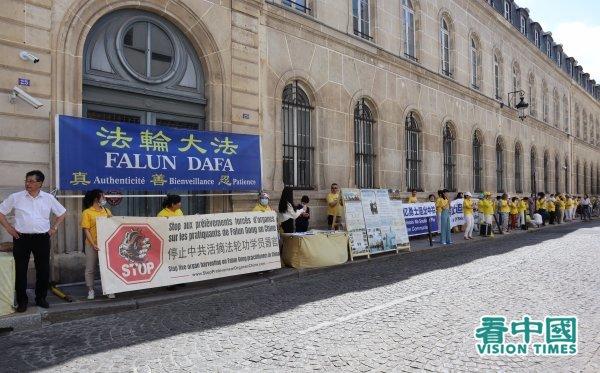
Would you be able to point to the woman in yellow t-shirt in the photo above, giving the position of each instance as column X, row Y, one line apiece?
column 93, row 204
column 171, row 207
column 514, row 212
column 504, row 210
column 469, row 220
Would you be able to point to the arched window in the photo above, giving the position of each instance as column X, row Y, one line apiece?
column 364, row 154
column 546, row 172
column 533, row 168
column 518, row 168
column 449, row 145
column 498, row 76
column 413, row 152
column 297, row 137
column 516, row 81
column 532, row 95
column 566, row 114
column 578, row 187
column 445, row 46
column 545, row 104
column 567, row 173
column 477, row 162
column 140, row 68
column 556, row 103
column 500, row 166
column 409, row 29
column 556, row 174
column 475, row 57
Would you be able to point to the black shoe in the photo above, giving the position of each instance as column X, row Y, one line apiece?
column 42, row 303
column 22, row 308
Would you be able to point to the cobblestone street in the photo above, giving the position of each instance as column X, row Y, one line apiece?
column 398, row 313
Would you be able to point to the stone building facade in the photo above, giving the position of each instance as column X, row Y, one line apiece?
column 389, row 93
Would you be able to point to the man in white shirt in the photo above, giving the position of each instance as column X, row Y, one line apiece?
column 31, row 234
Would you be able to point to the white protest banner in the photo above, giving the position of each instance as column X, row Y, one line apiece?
column 355, row 222
column 140, row 253
column 457, row 216
column 418, row 216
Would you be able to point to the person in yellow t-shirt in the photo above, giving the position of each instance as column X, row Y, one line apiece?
column 523, row 207
column 469, row 219
column 514, row 212
column 443, row 204
column 413, row 197
column 263, row 203
column 486, row 208
column 560, row 208
column 93, row 203
column 504, row 212
column 334, row 206
column 551, row 208
column 540, row 207
column 568, row 208
column 171, row 207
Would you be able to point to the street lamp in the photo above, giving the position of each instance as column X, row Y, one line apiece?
column 522, row 105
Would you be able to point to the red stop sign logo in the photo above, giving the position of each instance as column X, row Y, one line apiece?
column 134, row 253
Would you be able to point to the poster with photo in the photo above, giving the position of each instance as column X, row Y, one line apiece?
column 355, row 222
column 379, row 216
column 398, row 221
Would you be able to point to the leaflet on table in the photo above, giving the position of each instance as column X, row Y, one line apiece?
column 355, row 222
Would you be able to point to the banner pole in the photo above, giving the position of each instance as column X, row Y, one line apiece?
column 429, row 231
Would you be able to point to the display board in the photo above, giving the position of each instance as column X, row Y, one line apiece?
column 355, row 222
column 140, row 253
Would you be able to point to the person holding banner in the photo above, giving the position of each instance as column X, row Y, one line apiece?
column 263, row 203
column 171, row 207
column 287, row 213
column 93, row 205
column 31, row 234
column 469, row 219
column 413, row 197
column 443, row 204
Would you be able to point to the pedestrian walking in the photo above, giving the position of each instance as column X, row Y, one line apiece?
column 31, row 234
column 586, row 208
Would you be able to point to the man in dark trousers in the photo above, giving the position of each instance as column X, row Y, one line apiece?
column 31, row 234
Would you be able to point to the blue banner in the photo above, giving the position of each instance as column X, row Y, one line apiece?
column 123, row 156
column 416, row 216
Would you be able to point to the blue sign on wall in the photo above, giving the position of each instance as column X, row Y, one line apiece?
column 123, row 156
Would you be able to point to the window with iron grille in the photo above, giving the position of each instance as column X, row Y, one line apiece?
column 413, row 153
column 499, row 166
column 477, row 163
column 546, row 173
column 518, row 170
column 449, row 158
column 533, row 166
column 364, row 155
column 297, row 138
column 556, row 175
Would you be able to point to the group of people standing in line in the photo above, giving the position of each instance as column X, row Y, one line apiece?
column 508, row 213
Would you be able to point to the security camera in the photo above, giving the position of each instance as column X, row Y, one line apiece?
column 26, row 56
column 18, row 92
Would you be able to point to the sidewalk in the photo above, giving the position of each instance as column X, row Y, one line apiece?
column 61, row 310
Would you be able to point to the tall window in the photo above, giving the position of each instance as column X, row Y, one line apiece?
column 536, row 38
column 474, row 56
column 578, row 188
column 497, row 78
column 545, row 105
column 516, row 82
column 567, row 173
column 499, row 166
column 523, row 25
column 409, row 28
column 361, row 18
column 566, row 113
column 449, row 157
column 556, row 103
column 364, row 154
column 532, row 98
column 546, row 173
column 585, row 126
column 518, row 169
column 477, row 162
column 445, row 47
column 507, row 10
column 556, row 175
column 559, row 58
column 533, row 167
column 413, row 152
column 577, row 124
column 300, row 5
column 548, row 48
column 585, row 178
column 297, row 137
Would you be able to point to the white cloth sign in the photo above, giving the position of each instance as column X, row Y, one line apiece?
column 140, row 253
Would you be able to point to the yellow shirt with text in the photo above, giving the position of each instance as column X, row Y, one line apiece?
column 88, row 221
